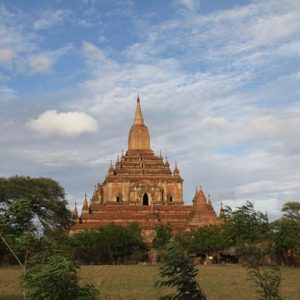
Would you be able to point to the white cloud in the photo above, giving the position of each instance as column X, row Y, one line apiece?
column 219, row 94
column 50, row 19
column 40, row 63
column 69, row 124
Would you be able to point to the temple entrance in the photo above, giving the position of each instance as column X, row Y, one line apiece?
column 119, row 198
column 145, row 199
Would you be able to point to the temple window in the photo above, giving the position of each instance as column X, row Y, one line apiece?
column 119, row 198
column 145, row 199
column 170, row 197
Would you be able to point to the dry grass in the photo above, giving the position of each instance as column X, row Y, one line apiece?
column 137, row 282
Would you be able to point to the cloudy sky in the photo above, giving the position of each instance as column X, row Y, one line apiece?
column 219, row 83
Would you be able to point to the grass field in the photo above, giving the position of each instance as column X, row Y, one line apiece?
column 137, row 282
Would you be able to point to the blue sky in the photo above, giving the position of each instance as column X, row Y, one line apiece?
column 218, row 80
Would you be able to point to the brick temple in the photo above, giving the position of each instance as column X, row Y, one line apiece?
column 141, row 188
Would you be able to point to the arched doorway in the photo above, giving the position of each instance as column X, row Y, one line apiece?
column 119, row 198
column 145, row 199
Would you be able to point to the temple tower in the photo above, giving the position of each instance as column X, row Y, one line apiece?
column 140, row 176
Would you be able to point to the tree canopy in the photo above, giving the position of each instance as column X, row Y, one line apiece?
column 32, row 204
column 291, row 210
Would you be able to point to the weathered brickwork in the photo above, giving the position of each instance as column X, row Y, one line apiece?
column 141, row 188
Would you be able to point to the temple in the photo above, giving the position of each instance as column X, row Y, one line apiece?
column 141, row 188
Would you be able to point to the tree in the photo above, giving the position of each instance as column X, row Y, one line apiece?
column 181, row 274
column 55, row 277
column 109, row 244
column 32, row 204
column 163, row 234
column 286, row 240
column 247, row 229
column 291, row 210
column 209, row 239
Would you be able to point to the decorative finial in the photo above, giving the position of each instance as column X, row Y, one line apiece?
column 138, row 118
column 138, row 98
column 122, row 152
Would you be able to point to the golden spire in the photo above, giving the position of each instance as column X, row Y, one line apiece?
column 139, row 137
column 138, row 118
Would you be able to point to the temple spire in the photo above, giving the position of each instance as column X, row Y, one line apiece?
column 85, row 206
column 75, row 212
column 138, row 118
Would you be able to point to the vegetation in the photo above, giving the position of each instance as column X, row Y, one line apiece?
column 111, row 244
column 32, row 204
column 55, row 277
column 33, row 214
column 291, row 210
column 180, row 273
column 163, row 234
column 136, row 282
column 268, row 281
column 33, row 233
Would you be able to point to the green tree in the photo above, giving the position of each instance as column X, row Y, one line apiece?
column 179, row 272
column 32, row 204
column 109, row 244
column 163, row 234
column 55, row 277
column 209, row 239
column 286, row 240
column 247, row 229
column 291, row 210
column 32, row 212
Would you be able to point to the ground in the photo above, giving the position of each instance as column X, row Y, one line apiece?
column 221, row 282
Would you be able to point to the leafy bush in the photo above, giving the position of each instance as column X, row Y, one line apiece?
column 55, row 277
column 110, row 244
column 268, row 281
column 180, row 273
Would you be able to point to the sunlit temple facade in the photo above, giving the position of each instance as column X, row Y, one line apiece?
column 141, row 188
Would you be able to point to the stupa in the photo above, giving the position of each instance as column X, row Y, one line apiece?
column 141, row 188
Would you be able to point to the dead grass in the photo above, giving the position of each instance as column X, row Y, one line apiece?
column 131, row 282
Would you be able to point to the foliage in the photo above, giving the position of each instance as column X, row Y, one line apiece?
column 246, row 228
column 291, row 210
column 205, row 240
column 286, row 240
column 268, row 281
column 163, row 234
column 24, row 246
column 180, row 273
column 32, row 204
column 55, row 277
column 109, row 244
